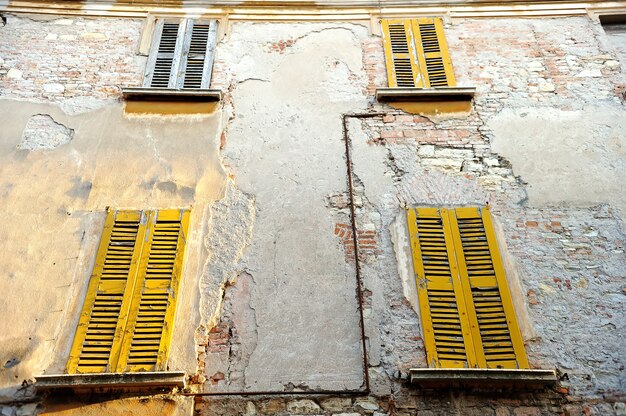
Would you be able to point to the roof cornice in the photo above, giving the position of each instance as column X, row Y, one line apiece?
column 295, row 10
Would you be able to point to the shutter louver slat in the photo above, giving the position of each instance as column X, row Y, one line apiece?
column 430, row 43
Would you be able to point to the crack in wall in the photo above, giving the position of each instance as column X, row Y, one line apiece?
column 167, row 167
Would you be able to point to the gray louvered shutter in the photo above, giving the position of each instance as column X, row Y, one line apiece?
column 162, row 56
column 181, row 55
column 199, row 58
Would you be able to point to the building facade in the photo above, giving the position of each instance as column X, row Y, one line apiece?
column 328, row 208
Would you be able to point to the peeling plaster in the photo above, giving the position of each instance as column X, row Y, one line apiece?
column 53, row 205
column 268, row 146
column 43, row 132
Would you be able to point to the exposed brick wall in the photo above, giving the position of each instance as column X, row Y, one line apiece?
column 366, row 241
column 570, row 259
column 68, row 58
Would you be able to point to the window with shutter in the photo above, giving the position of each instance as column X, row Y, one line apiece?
column 128, row 313
column 181, row 54
column 466, row 308
column 416, row 53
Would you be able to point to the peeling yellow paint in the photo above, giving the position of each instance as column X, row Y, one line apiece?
column 170, row 107
column 433, row 107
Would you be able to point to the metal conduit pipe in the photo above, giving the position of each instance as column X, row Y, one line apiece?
column 365, row 390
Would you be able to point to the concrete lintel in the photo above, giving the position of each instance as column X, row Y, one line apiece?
column 169, row 94
column 483, row 378
column 163, row 380
column 426, row 94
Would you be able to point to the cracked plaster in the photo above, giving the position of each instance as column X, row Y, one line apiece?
column 297, row 266
column 53, row 207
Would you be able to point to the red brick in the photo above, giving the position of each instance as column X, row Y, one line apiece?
column 391, row 134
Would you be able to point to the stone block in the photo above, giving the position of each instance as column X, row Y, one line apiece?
column 426, row 150
column 271, row 406
column 304, row 406
column 502, row 411
column 526, row 411
column 336, row 404
column 54, row 88
column 368, row 403
column 14, row 73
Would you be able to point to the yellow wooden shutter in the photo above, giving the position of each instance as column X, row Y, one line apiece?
column 463, row 294
column 417, row 54
column 432, row 52
column 400, row 54
column 103, row 318
column 488, row 300
column 126, row 321
column 149, row 328
column 446, row 329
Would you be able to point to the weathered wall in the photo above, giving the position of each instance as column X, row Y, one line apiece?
column 544, row 147
column 66, row 155
column 269, row 289
column 284, row 146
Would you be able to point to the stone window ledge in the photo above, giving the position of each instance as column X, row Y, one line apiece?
column 426, row 94
column 112, row 382
column 482, row 378
column 428, row 101
column 169, row 94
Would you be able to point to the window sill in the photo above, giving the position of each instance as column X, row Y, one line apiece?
column 169, row 94
column 487, row 379
column 166, row 101
column 428, row 101
column 426, row 94
column 112, row 382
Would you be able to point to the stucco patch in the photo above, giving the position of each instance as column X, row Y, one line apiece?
column 565, row 156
